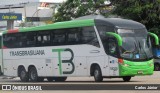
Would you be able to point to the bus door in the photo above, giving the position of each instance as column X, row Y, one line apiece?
column 113, row 57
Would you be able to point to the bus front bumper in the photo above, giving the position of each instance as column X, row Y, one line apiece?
column 136, row 68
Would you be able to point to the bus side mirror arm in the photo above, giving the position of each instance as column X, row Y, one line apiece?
column 118, row 37
column 155, row 37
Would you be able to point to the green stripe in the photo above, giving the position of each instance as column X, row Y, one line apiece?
column 5, row 32
column 60, row 63
column 59, row 25
column 155, row 37
column 59, row 59
column 118, row 37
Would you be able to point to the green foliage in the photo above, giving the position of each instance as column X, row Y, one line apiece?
column 145, row 11
column 75, row 8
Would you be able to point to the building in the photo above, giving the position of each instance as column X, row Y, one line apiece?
column 34, row 12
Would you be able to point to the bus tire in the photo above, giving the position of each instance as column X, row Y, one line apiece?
column 126, row 78
column 33, row 76
column 23, row 74
column 60, row 79
column 156, row 67
column 50, row 79
column 97, row 74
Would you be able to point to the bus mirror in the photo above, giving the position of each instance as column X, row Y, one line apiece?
column 118, row 37
column 155, row 38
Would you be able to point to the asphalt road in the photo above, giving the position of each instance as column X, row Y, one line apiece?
column 87, row 85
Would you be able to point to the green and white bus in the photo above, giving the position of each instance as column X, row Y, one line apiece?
column 89, row 46
column 1, row 64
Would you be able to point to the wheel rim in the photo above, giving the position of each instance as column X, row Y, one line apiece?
column 23, row 74
column 33, row 75
column 96, row 73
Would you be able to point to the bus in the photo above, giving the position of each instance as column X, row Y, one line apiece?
column 85, row 47
column 156, row 55
column 1, row 65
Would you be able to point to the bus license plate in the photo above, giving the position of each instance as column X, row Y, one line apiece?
column 140, row 72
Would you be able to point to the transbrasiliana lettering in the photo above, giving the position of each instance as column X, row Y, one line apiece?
column 27, row 53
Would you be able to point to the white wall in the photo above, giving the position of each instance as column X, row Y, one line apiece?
column 53, row 1
column 31, row 8
column 9, row 2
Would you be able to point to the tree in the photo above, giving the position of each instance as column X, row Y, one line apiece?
column 75, row 8
column 145, row 11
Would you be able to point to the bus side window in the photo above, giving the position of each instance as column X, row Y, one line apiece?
column 59, row 37
column 112, row 47
column 89, row 36
column 31, row 39
column 73, row 36
column 6, row 40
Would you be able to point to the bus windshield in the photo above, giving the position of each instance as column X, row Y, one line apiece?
column 136, row 44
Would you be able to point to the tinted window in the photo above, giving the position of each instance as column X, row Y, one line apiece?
column 74, row 36
column 18, row 40
column 43, row 38
column 59, row 37
column 31, row 39
column 102, row 29
column 112, row 47
column 89, row 36
column 68, row 36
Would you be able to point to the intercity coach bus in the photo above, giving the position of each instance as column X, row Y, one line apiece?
column 88, row 46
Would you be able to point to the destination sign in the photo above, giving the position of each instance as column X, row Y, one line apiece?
column 10, row 16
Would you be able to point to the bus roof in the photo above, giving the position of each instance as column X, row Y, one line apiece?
column 120, row 23
column 116, row 22
column 58, row 25
column 90, row 20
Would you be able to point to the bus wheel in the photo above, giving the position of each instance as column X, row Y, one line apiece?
column 50, row 79
column 97, row 74
column 156, row 67
column 23, row 74
column 60, row 79
column 126, row 78
column 33, row 76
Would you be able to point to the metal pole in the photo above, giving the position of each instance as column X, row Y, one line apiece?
column 25, row 13
column 10, row 23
